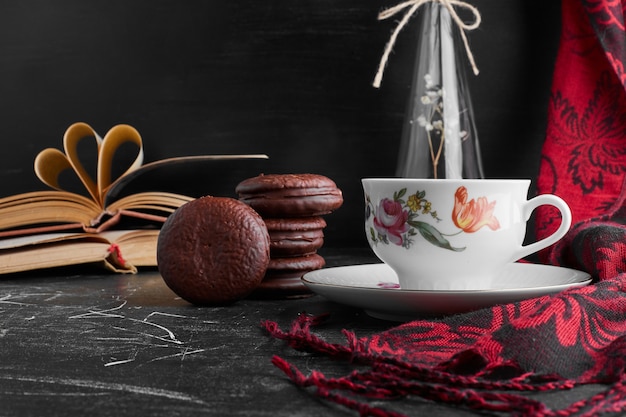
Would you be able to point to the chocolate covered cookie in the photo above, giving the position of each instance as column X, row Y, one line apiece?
column 294, row 267
column 295, row 236
column 290, row 195
column 291, row 206
column 213, row 250
column 283, row 277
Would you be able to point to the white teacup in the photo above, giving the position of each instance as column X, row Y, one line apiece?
column 444, row 234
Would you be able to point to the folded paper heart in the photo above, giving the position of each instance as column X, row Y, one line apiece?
column 51, row 163
column 95, row 211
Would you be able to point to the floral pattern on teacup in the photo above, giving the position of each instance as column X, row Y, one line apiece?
column 395, row 220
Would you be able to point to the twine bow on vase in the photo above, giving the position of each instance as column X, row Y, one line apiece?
column 439, row 137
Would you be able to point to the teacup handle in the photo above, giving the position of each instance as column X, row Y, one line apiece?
column 566, row 222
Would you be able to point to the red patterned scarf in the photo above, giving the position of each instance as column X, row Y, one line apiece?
column 492, row 358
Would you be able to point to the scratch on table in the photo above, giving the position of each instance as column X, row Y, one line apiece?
column 119, row 339
column 159, row 313
column 101, row 313
column 170, row 334
column 122, row 361
column 5, row 300
column 182, row 355
column 97, row 385
column 22, row 295
column 169, row 339
column 139, row 331
column 57, row 295
column 56, row 394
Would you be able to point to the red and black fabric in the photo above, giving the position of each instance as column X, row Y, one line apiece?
column 584, row 154
column 490, row 359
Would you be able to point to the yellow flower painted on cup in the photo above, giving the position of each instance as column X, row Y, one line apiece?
column 414, row 202
column 472, row 215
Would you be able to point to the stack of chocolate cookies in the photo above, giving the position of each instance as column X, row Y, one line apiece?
column 292, row 206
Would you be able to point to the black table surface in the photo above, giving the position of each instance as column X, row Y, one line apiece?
column 91, row 344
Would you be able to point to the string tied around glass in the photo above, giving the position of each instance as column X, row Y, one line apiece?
column 413, row 6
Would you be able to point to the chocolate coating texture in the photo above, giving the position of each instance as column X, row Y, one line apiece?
column 213, row 250
column 290, row 195
column 294, row 267
column 295, row 236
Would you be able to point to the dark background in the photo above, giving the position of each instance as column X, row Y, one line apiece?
column 291, row 79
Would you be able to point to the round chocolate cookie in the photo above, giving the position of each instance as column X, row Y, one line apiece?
column 213, row 250
column 294, row 267
column 290, row 195
column 295, row 236
column 282, row 279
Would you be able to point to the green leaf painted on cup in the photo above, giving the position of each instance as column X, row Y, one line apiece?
column 373, row 235
column 398, row 195
column 432, row 235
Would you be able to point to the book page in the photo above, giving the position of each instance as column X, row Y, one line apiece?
column 119, row 250
column 28, row 240
column 218, row 168
column 53, row 255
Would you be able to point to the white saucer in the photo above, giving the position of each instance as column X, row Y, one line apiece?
column 374, row 288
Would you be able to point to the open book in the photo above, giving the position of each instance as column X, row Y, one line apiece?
column 43, row 229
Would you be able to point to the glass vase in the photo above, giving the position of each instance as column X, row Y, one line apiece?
column 439, row 138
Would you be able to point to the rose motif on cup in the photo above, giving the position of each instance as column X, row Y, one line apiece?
column 391, row 220
column 396, row 220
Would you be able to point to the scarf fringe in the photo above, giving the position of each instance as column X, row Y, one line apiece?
column 300, row 337
column 388, row 378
